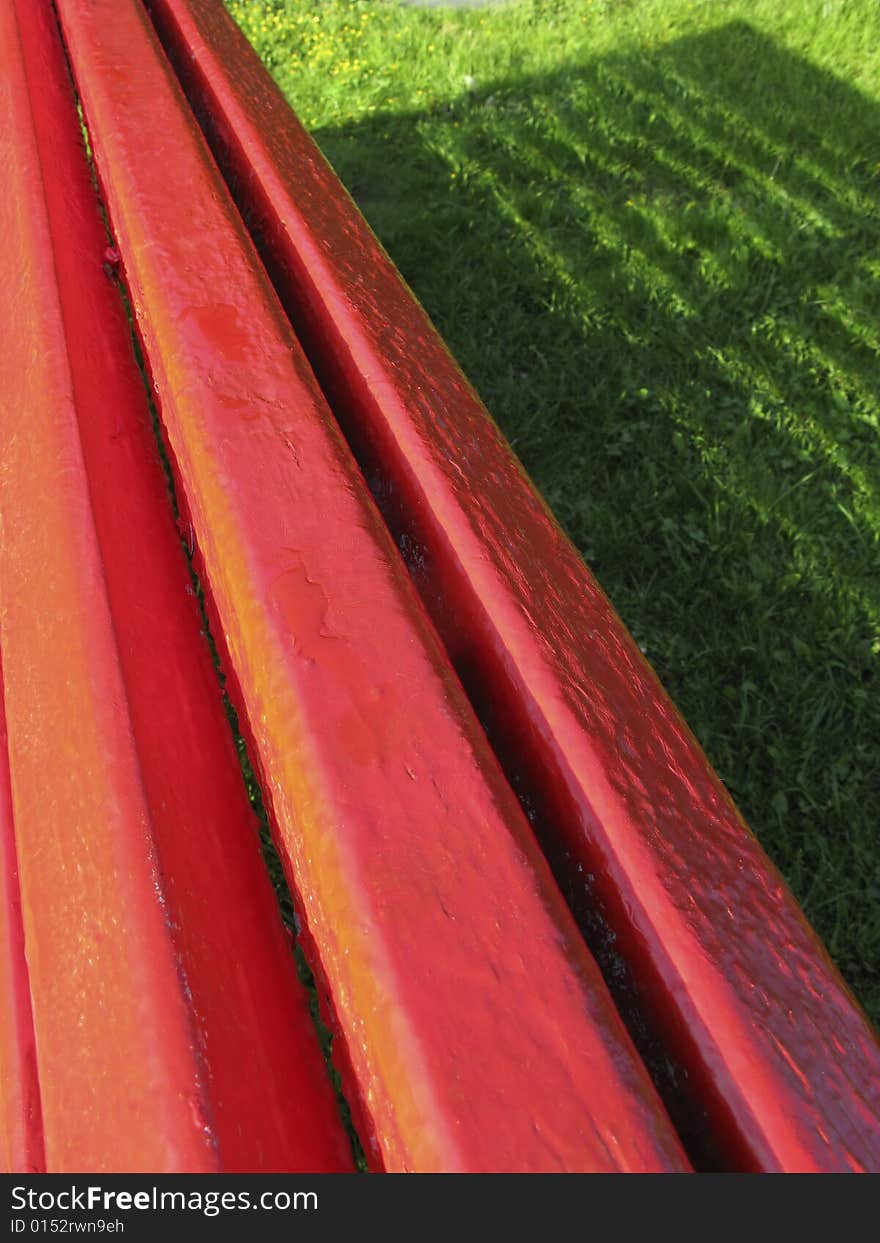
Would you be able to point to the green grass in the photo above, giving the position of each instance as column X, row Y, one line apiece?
column 649, row 231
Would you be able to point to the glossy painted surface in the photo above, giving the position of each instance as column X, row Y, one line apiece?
column 766, row 1058
column 171, row 1030
column 21, row 1126
column 478, row 1031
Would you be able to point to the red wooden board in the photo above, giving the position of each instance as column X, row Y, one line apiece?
column 171, row 1030
column 478, row 1031
column 769, row 1055
column 21, row 1125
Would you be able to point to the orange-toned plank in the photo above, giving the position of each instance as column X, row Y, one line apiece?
column 773, row 1064
column 478, row 1031
column 21, row 1127
column 171, row 1031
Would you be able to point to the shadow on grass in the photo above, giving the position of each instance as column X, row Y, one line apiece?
column 660, row 270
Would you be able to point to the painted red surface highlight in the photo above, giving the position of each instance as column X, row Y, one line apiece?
column 21, row 1125
column 781, row 1068
column 110, row 1043
column 477, row 1028
column 172, row 1032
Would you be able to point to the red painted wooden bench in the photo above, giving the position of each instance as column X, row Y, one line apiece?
column 409, row 667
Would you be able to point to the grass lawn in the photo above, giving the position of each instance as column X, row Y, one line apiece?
column 649, row 231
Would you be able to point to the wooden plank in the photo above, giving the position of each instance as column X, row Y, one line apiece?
column 21, row 1126
column 478, row 1031
column 770, row 1064
column 172, row 1033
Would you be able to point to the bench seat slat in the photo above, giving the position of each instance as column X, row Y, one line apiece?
column 478, row 1031
column 775, row 1066
column 172, row 1032
column 21, row 1125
